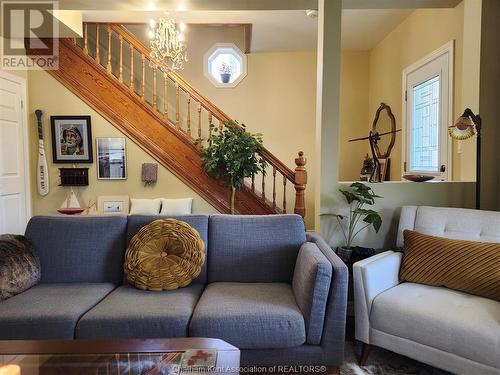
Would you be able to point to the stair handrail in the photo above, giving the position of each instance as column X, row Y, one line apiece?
column 297, row 177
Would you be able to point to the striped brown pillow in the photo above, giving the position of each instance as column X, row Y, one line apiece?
column 469, row 266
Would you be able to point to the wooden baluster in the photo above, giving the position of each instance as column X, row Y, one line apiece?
column 284, row 194
column 85, row 38
column 199, row 121
column 274, row 187
column 253, row 182
column 108, row 66
column 220, row 124
column 120, row 77
column 143, row 82
column 263, row 194
column 209, row 128
column 165, row 95
column 188, row 102
column 154, row 88
column 132, row 68
column 177, row 106
column 97, row 41
column 300, row 184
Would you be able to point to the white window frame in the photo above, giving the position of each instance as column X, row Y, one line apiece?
column 448, row 48
column 242, row 58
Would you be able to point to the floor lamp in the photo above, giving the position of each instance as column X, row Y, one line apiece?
column 464, row 128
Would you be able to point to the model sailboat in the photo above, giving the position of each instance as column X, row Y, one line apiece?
column 70, row 205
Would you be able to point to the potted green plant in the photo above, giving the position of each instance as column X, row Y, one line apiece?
column 233, row 154
column 358, row 219
column 225, row 71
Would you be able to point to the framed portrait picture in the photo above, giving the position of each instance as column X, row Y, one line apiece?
column 112, row 159
column 71, row 139
column 113, row 205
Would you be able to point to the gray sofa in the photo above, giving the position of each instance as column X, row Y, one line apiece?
column 267, row 287
column 452, row 330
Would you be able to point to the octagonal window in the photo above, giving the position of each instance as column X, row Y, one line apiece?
column 225, row 65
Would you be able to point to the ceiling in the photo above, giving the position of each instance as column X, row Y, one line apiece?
column 363, row 29
column 278, row 30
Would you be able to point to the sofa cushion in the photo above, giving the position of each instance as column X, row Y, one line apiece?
column 76, row 249
column 48, row 311
column 249, row 315
column 448, row 320
column 198, row 222
column 311, row 284
column 468, row 266
column 131, row 313
column 254, row 248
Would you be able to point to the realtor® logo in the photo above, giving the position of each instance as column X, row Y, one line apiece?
column 29, row 25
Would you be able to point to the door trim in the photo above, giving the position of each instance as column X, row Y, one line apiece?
column 26, row 142
column 447, row 48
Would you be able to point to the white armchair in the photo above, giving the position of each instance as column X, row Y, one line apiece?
column 448, row 329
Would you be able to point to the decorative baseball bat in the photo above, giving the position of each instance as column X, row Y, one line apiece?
column 42, row 176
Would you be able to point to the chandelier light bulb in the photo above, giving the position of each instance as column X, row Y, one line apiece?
column 152, row 23
column 151, row 34
column 168, row 48
column 182, row 26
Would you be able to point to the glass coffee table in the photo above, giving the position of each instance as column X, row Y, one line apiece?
column 178, row 356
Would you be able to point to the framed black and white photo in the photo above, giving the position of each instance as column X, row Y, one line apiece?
column 113, row 204
column 112, row 159
column 71, row 139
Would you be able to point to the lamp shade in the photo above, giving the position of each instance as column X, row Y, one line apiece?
column 463, row 128
column 10, row 370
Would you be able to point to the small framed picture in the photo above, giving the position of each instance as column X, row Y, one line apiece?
column 71, row 139
column 112, row 159
column 113, row 204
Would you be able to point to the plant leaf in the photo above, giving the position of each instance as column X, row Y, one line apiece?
column 349, row 196
column 375, row 220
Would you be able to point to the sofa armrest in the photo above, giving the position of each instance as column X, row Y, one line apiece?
column 311, row 282
column 333, row 338
column 372, row 276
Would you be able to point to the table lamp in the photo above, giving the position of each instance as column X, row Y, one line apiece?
column 10, row 370
column 464, row 128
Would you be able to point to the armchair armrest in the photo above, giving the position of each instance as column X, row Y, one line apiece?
column 333, row 338
column 372, row 276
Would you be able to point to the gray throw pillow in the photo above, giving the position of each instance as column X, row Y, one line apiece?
column 19, row 265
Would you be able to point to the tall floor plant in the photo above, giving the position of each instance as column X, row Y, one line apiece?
column 233, row 154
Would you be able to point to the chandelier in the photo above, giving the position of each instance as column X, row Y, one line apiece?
column 168, row 46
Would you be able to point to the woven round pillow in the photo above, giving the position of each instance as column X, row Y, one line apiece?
column 165, row 254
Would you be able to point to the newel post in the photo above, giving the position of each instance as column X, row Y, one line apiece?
column 300, row 184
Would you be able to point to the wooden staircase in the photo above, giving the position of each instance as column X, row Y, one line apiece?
column 110, row 70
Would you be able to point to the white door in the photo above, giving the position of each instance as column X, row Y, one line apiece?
column 428, row 115
column 14, row 188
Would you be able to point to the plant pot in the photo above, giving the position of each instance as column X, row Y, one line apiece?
column 225, row 77
column 344, row 253
column 354, row 254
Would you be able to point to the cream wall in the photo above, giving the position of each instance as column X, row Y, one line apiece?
column 424, row 31
column 276, row 98
column 47, row 94
column 396, row 194
column 354, row 100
